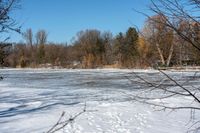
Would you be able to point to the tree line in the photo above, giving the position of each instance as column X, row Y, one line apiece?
column 164, row 41
column 155, row 45
column 91, row 49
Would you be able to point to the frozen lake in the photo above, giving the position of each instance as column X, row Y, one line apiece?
column 31, row 101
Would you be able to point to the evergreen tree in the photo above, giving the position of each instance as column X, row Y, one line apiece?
column 131, row 46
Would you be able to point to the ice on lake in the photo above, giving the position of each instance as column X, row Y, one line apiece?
column 32, row 100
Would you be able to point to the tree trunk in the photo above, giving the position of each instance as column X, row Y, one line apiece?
column 170, row 54
column 160, row 54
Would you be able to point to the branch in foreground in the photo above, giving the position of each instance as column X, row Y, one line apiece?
column 62, row 124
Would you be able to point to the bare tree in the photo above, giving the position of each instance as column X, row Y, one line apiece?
column 7, row 23
column 158, row 34
column 166, row 86
column 41, row 40
column 41, row 37
column 28, row 36
column 177, row 11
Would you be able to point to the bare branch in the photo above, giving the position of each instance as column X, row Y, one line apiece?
column 62, row 124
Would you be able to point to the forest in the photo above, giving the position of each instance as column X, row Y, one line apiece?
column 169, row 38
column 164, row 41
column 155, row 46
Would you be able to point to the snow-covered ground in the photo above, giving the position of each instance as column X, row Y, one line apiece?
column 32, row 100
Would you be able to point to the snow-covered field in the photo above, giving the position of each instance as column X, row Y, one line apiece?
column 31, row 101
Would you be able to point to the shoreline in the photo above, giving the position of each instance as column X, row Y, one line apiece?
column 187, row 68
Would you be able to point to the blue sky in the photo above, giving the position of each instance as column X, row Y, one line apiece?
column 62, row 19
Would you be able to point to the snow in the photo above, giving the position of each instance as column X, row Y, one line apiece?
column 32, row 100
